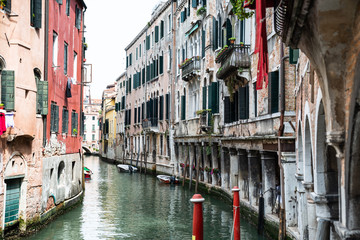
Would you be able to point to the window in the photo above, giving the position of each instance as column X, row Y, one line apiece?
column 169, row 23
column 273, row 88
column 75, row 66
column 65, row 58
column 55, row 49
column 161, row 144
column 67, row 7
column 74, row 122
column 93, row 137
column 77, row 18
column 161, row 29
column 8, row 89
column 140, row 50
column 169, row 58
column 35, row 13
column 93, row 118
column 7, row 5
column 84, row 139
column 93, row 127
column 137, row 53
column 65, row 120
column 41, row 94
column 59, row 1
column 54, row 118
column 152, row 39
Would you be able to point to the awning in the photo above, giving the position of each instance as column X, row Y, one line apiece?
column 193, row 28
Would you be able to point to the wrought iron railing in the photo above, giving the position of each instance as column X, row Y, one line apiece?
column 149, row 122
column 240, row 51
column 190, row 68
column 282, row 17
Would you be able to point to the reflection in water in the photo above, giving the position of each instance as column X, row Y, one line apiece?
column 125, row 206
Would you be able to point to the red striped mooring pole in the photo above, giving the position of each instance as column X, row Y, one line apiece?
column 198, row 228
column 236, row 213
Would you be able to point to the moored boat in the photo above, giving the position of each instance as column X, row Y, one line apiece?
column 87, row 173
column 126, row 168
column 167, row 179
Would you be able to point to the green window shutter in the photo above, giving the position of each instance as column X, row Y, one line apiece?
column 247, row 100
column 161, row 64
column 134, row 79
column 127, row 61
column 183, row 107
column 167, row 111
column 228, row 31
column 65, row 58
column 293, row 55
column 130, row 85
column 161, row 117
column 8, row 6
column 130, row 59
column 42, row 100
column 227, row 110
column 139, row 118
column 204, row 3
column 242, row 102
column 135, row 115
column 63, row 121
column 8, row 89
column 77, row 18
column 203, row 43
column 182, row 16
column 147, row 42
column 210, row 97
column 194, row 3
column 273, row 92
column 59, row 1
column 215, row 97
column 215, row 34
column 156, row 34
column 161, row 29
column 56, row 118
column 143, row 75
column 204, row 97
column 37, row 12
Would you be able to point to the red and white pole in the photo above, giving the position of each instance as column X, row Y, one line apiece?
column 236, row 213
column 198, row 228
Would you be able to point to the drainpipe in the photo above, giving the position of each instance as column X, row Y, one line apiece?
column 282, row 227
column 46, row 64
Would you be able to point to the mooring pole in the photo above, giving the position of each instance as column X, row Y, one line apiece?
column 198, row 228
column 261, row 215
column 236, row 212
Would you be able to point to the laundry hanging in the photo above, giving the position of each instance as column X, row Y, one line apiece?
column 9, row 119
column 2, row 123
column 68, row 88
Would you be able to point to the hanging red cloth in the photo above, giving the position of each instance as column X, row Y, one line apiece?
column 2, row 123
column 261, row 44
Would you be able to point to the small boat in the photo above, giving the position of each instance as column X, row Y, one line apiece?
column 87, row 173
column 167, row 179
column 126, row 168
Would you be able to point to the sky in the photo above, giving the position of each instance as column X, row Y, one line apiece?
column 110, row 27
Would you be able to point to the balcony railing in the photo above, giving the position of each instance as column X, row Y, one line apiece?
column 149, row 123
column 191, row 68
column 205, row 121
column 233, row 59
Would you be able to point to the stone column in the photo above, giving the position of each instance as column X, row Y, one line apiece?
column 243, row 174
column 206, row 163
column 269, row 166
column 192, row 160
column 234, row 168
column 224, row 169
column 288, row 162
column 254, row 176
column 215, row 163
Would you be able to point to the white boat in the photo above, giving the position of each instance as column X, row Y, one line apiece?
column 167, row 179
column 126, row 168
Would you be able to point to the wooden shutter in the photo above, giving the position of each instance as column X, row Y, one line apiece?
column 63, row 121
column 8, row 89
column 215, row 97
column 135, row 115
column 8, row 6
column 143, row 75
column 161, row 64
column 247, row 101
column 56, row 118
column 210, row 97
column 203, row 43
column 147, row 42
column 183, row 107
column 37, row 12
column 273, row 89
column 161, row 29
column 42, row 100
column 77, row 18
column 167, row 106
column 156, row 34
column 293, row 55
column 161, row 117
column 139, row 114
column 227, row 110
column 204, row 98
column 182, row 16
column 204, row 3
column 194, row 3
column 228, row 31
column 242, row 102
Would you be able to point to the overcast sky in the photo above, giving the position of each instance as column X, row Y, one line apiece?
column 110, row 27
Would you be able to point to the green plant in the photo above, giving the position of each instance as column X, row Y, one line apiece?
column 201, row 11
column 231, row 87
column 239, row 10
column 222, row 50
column 1, row 104
column 208, row 150
column 232, row 39
column 75, row 131
column 199, row 112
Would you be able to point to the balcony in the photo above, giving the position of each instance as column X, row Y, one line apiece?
column 233, row 59
column 205, row 121
column 190, row 68
column 150, row 124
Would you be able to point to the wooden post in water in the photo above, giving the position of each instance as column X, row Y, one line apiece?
column 141, row 160
column 184, row 175
column 198, row 156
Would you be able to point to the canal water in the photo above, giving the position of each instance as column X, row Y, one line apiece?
column 136, row 206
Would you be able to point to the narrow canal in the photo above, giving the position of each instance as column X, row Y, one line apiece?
column 125, row 206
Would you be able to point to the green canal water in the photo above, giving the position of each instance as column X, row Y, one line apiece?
column 136, row 206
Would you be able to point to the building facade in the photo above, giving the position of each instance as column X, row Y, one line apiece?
column 32, row 88
column 91, row 125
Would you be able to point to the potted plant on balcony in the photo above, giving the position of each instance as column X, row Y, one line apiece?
column 75, row 132
column 201, row 11
column 232, row 40
column 239, row 9
column 1, row 106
